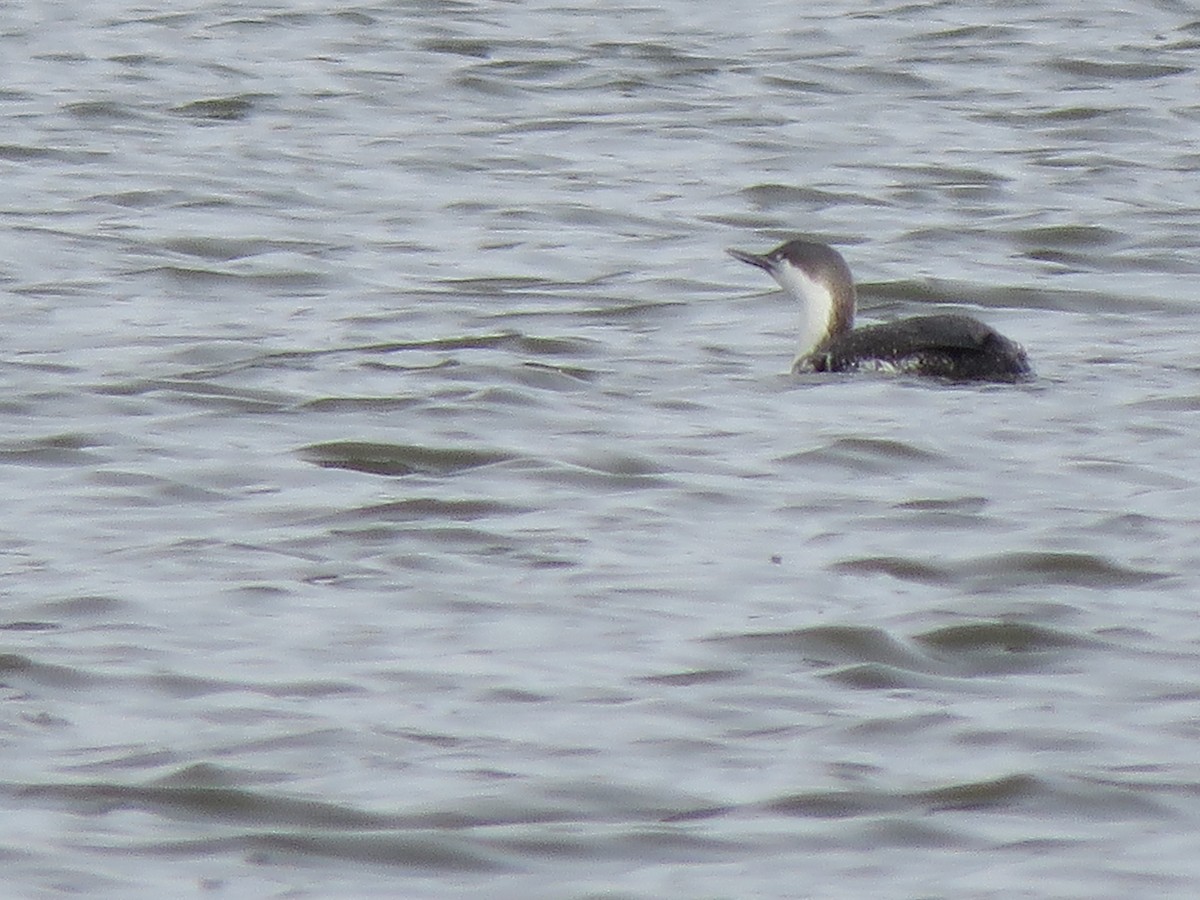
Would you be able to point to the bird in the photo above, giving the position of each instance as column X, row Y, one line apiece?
column 946, row 345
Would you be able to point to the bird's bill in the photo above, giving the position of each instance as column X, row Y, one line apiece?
column 753, row 259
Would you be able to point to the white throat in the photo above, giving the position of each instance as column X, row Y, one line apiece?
column 815, row 301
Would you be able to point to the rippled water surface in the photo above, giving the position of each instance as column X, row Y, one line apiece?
column 403, row 495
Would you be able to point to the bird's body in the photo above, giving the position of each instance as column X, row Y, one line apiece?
column 950, row 346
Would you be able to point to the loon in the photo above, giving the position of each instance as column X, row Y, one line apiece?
column 949, row 346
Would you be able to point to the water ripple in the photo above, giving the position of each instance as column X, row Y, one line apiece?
column 1008, row 570
column 399, row 459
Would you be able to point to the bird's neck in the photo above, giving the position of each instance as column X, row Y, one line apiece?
column 825, row 311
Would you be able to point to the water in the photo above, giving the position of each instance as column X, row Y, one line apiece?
column 404, row 495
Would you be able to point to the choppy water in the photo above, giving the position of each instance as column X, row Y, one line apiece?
column 404, row 496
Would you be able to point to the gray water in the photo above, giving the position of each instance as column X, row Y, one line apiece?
column 405, row 496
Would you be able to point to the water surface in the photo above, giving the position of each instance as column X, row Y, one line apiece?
column 404, row 495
